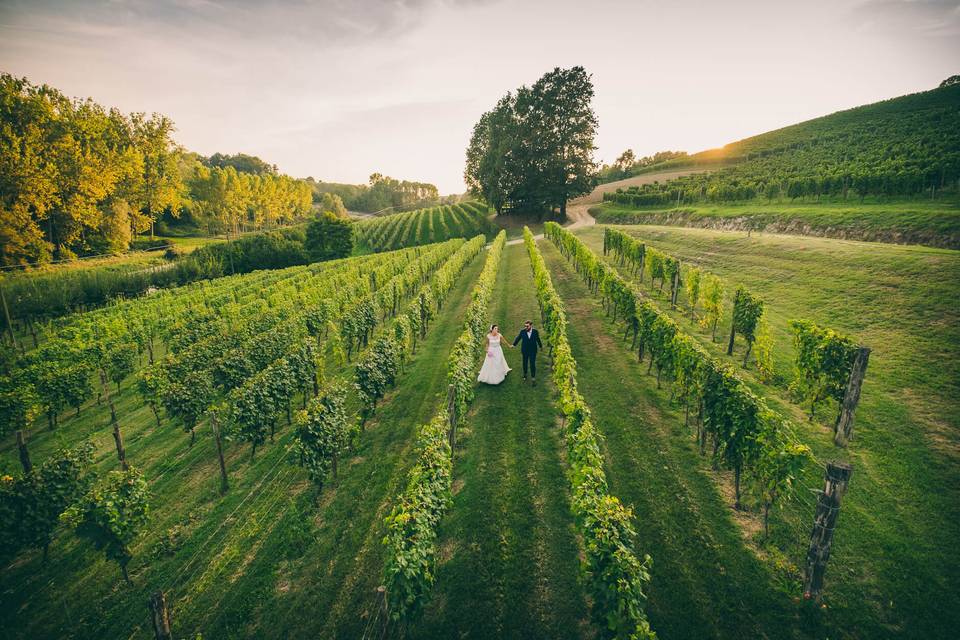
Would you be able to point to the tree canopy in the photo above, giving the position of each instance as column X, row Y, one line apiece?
column 534, row 150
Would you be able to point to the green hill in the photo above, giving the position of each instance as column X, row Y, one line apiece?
column 906, row 146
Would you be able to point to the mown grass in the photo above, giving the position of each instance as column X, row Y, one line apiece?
column 253, row 563
column 933, row 223
column 892, row 571
column 509, row 552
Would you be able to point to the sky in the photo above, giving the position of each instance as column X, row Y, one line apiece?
column 341, row 89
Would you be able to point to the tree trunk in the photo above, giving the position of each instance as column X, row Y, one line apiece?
column 824, row 523
column 126, row 576
column 733, row 334
column 121, row 452
column 851, row 397
column 156, row 414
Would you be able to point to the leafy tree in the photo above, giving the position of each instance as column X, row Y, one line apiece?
column 534, row 150
column 113, row 514
column 329, row 237
column 332, row 203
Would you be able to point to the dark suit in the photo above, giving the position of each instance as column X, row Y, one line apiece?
column 528, row 347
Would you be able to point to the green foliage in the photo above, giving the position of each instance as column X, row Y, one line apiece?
column 329, row 237
column 385, row 233
column 904, row 146
column 409, row 572
column 740, row 424
column 823, row 363
column 323, row 432
column 30, row 505
column 614, row 574
column 384, row 192
column 764, row 350
column 19, row 405
column 462, row 363
column 534, row 150
column 113, row 514
column 747, row 309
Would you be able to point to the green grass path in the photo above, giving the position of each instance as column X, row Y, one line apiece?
column 509, row 555
column 706, row 582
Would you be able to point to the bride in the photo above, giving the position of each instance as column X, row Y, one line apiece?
column 495, row 367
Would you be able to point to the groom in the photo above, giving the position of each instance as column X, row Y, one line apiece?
column 530, row 342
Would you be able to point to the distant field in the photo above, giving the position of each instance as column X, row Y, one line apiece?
column 925, row 222
column 422, row 226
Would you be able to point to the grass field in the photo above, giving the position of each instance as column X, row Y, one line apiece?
column 930, row 223
column 901, row 513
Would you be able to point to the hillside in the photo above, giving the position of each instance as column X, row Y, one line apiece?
column 905, row 146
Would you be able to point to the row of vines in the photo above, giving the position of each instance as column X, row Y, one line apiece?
column 412, row 524
column 745, row 434
column 422, row 226
column 615, row 577
column 824, row 359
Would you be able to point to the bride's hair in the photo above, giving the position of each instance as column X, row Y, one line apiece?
column 492, row 327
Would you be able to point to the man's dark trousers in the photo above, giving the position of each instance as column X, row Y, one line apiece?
column 529, row 344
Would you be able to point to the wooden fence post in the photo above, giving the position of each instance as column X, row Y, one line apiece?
column 452, row 415
column 843, row 430
column 121, row 452
column 24, row 454
column 215, row 426
column 160, row 616
column 675, row 286
column 824, row 522
column 6, row 316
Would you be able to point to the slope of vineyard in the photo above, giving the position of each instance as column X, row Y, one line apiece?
column 423, row 226
column 812, row 177
column 196, row 537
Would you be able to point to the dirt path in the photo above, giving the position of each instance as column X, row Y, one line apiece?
column 578, row 209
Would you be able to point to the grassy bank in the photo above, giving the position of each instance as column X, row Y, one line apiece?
column 930, row 223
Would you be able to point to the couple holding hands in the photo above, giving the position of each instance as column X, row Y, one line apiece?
column 495, row 366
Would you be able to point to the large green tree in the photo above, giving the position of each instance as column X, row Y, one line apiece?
column 534, row 150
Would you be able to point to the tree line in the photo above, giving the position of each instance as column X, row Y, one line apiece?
column 77, row 178
column 379, row 194
column 534, row 150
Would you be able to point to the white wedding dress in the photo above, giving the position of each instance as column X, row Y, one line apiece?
column 494, row 368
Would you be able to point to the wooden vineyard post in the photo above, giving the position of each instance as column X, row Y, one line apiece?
column 24, row 454
column 6, row 316
column 824, row 522
column 215, row 426
column 733, row 324
column 843, row 430
column 452, row 415
column 675, row 287
column 160, row 616
column 121, row 452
